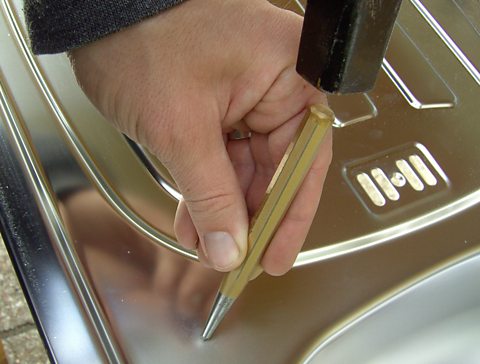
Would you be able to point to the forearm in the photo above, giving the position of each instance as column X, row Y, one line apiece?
column 61, row 25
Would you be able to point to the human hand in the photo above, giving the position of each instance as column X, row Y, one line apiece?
column 179, row 82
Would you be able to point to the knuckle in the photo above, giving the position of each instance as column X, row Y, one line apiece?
column 216, row 203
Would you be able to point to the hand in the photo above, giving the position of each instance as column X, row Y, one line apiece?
column 179, row 82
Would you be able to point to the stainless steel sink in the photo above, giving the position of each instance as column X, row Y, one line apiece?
column 87, row 215
column 434, row 320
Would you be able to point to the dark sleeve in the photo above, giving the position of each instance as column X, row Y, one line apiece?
column 61, row 25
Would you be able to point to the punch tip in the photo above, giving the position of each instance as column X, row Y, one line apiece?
column 220, row 307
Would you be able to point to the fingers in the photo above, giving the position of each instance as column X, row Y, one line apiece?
column 290, row 236
column 287, row 97
column 264, row 170
column 213, row 201
column 214, row 210
column 242, row 162
column 278, row 116
column 284, row 99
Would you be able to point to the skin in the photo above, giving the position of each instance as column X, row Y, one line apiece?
column 179, row 82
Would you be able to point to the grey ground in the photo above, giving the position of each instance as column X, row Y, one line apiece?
column 18, row 334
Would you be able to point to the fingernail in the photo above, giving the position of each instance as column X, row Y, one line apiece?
column 221, row 249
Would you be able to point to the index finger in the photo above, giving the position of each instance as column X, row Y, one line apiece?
column 291, row 234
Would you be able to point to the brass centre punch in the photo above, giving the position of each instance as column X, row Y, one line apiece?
column 280, row 193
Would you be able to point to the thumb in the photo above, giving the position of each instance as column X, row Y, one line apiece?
column 214, row 199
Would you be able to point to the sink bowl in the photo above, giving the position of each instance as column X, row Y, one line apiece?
column 436, row 320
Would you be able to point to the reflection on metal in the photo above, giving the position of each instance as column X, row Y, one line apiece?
column 429, row 157
column 300, row 5
column 423, row 170
column 351, row 109
column 398, row 179
column 380, row 334
column 44, row 196
column 406, row 92
column 410, row 175
column 156, row 301
column 116, row 201
column 471, row 11
column 370, row 189
column 158, row 171
column 449, row 42
column 394, row 232
column 414, row 77
column 385, row 184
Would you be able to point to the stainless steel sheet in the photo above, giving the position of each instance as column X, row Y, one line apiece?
column 144, row 303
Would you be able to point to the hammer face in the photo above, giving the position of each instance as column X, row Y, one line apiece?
column 344, row 41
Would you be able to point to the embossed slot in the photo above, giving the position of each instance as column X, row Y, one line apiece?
column 385, row 184
column 423, row 170
column 410, row 175
column 370, row 189
column 397, row 179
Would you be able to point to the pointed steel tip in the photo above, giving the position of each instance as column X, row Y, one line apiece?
column 220, row 308
column 207, row 334
column 208, row 329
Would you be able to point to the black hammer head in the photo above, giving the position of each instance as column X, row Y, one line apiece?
column 344, row 41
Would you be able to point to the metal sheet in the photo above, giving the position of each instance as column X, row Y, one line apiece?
column 438, row 319
column 115, row 215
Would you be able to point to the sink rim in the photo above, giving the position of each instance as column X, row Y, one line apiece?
column 391, row 296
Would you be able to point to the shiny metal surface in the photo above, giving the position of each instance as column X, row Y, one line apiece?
column 57, row 232
column 437, row 319
column 413, row 180
column 405, row 66
column 351, row 109
column 456, row 23
column 82, row 143
column 113, row 214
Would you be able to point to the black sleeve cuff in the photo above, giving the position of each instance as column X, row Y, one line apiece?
column 61, row 25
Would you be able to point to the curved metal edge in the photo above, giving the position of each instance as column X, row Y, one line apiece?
column 407, row 94
column 307, row 257
column 342, row 124
column 379, row 237
column 54, row 230
column 385, row 299
column 13, row 208
column 81, row 153
column 449, row 42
